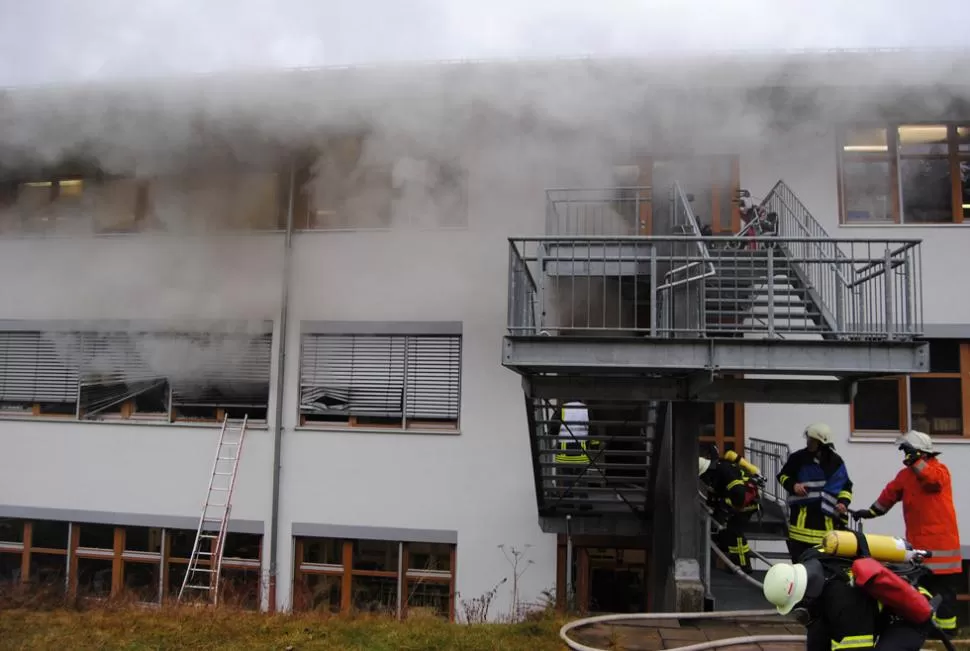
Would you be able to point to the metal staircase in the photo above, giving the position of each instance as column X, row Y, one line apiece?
column 755, row 290
column 205, row 563
column 727, row 588
column 635, row 325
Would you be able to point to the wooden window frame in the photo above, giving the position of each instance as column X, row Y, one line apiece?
column 721, row 437
column 346, row 572
column 954, row 156
column 731, row 212
column 126, row 411
column 905, row 398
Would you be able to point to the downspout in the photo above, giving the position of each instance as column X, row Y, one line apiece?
column 280, row 383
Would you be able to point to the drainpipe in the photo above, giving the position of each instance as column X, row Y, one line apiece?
column 569, row 565
column 280, row 382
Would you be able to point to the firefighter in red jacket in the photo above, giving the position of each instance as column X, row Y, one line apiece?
column 925, row 490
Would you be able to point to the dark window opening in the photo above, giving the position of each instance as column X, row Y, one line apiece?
column 96, row 536
column 876, row 406
column 49, row 534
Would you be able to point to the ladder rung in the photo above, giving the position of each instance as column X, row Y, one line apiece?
column 208, row 535
column 199, row 587
column 222, row 474
column 227, row 458
column 201, row 569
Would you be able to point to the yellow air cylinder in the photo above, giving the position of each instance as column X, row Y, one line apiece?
column 886, row 549
column 731, row 457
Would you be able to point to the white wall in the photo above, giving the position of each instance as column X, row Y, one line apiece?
column 809, row 167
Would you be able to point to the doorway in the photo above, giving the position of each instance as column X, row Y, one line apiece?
column 713, row 181
column 610, row 574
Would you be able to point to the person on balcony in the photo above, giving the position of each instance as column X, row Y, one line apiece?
column 819, row 490
column 733, row 498
column 925, row 489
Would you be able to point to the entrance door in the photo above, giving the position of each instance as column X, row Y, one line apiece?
column 712, row 180
column 610, row 574
column 617, row 580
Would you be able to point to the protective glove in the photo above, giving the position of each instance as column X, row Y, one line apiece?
column 863, row 514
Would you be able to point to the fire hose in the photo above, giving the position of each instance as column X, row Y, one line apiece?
column 720, row 614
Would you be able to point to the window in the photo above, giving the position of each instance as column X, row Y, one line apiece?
column 340, row 576
column 394, row 381
column 100, row 561
column 905, row 173
column 227, row 199
column 937, row 402
column 358, row 183
column 135, row 376
column 348, row 187
column 429, row 193
column 240, row 582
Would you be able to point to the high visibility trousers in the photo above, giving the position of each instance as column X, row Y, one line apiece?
column 732, row 541
column 945, row 585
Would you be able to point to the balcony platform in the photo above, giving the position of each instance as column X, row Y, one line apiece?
column 698, row 368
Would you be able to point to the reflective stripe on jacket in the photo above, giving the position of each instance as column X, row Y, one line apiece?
column 574, row 444
column 931, row 521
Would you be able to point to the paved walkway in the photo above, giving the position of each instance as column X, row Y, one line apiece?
column 658, row 635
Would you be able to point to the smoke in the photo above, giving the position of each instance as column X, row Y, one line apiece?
column 394, row 144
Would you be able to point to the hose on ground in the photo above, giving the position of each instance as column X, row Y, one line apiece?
column 702, row 646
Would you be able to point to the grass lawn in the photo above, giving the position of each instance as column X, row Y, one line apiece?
column 140, row 629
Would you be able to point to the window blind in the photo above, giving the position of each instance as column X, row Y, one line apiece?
column 391, row 376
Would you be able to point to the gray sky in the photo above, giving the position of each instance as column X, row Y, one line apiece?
column 56, row 40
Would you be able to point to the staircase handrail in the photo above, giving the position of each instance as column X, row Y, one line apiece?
column 796, row 214
column 706, row 260
column 663, row 291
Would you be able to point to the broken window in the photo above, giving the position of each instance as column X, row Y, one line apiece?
column 381, row 380
column 429, row 193
column 350, row 186
column 135, row 375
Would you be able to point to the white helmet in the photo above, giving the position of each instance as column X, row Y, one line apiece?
column 785, row 586
column 918, row 441
column 702, row 465
column 820, row 432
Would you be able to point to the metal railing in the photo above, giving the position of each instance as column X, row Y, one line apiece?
column 625, row 286
column 597, row 211
column 680, row 281
column 843, row 291
column 769, row 457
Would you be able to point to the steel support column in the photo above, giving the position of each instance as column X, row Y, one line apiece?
column 688, row 584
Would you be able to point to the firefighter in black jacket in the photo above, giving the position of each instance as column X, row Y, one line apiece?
column 837, row 615
column 734, row 497
column 819, row 490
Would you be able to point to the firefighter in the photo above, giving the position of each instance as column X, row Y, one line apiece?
column 734, row 497
column 573, row 447
column 819, row 490
column 836, row 614
column 924, row 488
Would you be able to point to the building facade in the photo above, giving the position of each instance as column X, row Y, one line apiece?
column 352, row 304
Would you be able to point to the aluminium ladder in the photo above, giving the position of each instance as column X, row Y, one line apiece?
column 205, row 563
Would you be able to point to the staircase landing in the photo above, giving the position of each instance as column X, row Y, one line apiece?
column 696, row 368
